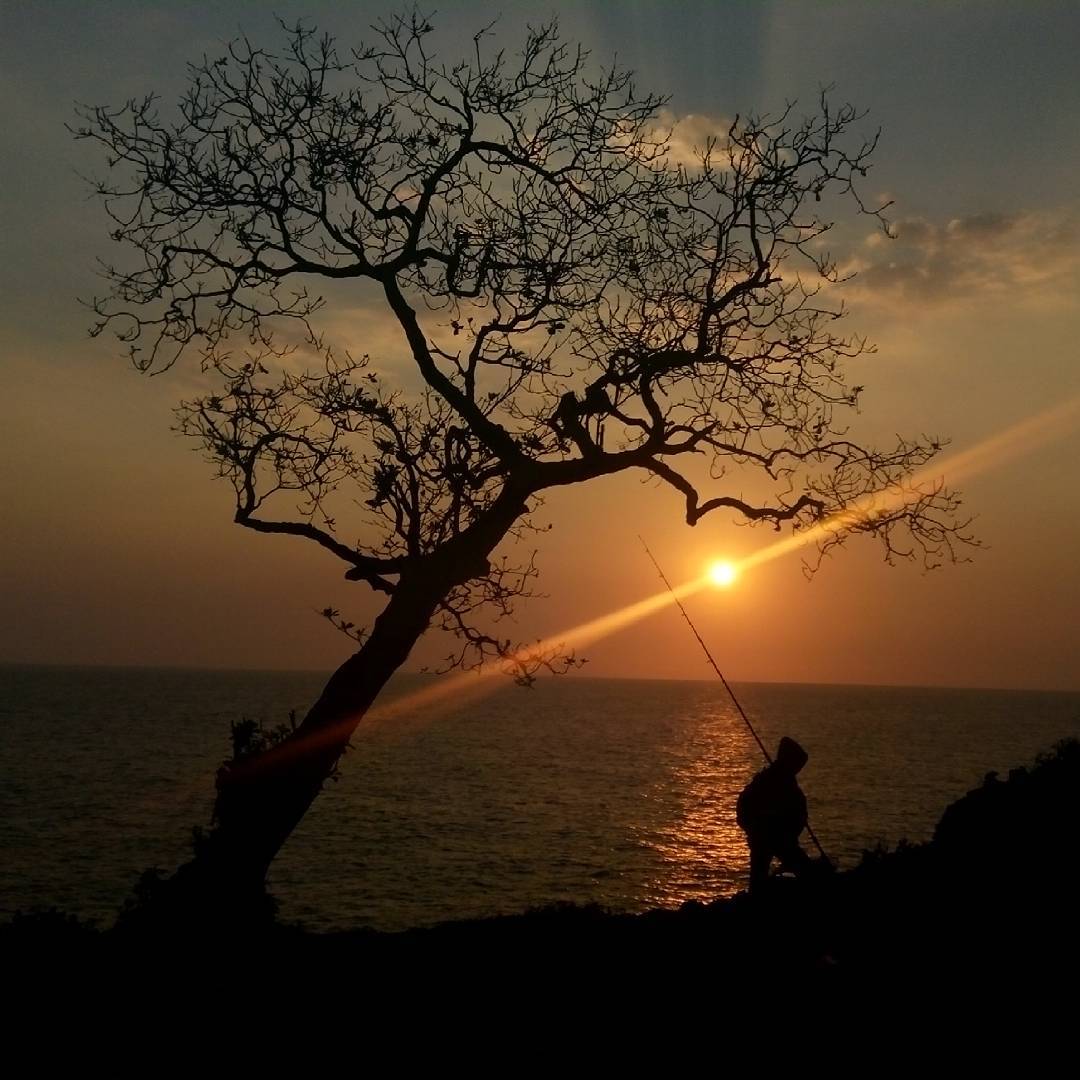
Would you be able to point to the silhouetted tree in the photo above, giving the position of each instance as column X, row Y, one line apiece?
column 575, row 299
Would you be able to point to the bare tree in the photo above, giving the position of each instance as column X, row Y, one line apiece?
column 575, row 301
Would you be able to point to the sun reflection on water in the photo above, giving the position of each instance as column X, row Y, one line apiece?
column 701, row 850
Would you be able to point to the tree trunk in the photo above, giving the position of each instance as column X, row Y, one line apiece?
column 262, row 798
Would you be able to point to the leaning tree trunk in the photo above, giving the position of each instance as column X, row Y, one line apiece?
column 262, row 798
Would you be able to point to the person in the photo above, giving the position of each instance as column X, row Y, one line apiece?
column 771, row 810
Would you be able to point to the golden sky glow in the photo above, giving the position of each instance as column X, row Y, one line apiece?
column 953, row 469
column 117, row 545
column 1016, row 440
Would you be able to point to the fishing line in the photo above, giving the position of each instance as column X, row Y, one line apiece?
column 727, row 685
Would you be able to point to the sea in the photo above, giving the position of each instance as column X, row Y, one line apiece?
column 465, row 799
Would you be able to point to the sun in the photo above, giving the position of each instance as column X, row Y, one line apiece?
column 722, row 574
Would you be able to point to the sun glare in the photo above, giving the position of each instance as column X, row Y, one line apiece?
column 722, row 574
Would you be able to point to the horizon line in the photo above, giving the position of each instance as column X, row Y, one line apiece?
column 547, row 678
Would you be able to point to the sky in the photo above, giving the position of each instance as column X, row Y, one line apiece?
column 117, row 544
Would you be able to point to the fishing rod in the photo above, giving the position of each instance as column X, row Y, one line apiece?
column 727, row 686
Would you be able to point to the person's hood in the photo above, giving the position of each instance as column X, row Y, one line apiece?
column 790, row 755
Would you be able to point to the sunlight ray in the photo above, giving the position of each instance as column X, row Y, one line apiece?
column 1014, row 441
column 460, row 689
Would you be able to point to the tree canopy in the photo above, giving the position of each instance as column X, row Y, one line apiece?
column 576, row 297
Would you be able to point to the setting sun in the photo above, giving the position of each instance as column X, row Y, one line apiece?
column 722, row 574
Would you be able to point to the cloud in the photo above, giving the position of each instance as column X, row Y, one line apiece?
column 983, row 256
column 686, row 137
column 690, row 134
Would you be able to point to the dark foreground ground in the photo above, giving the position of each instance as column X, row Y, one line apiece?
column 990, row 905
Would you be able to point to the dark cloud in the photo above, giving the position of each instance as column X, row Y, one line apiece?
column 978, row 256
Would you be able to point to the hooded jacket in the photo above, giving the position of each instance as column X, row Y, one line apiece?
column 772, row 807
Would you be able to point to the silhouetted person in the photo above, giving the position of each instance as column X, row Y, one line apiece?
column 771, row 810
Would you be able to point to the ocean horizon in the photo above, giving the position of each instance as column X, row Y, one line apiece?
column 492, row 801
column 572, row 676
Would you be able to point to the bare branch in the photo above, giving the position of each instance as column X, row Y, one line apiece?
column 573, row 302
